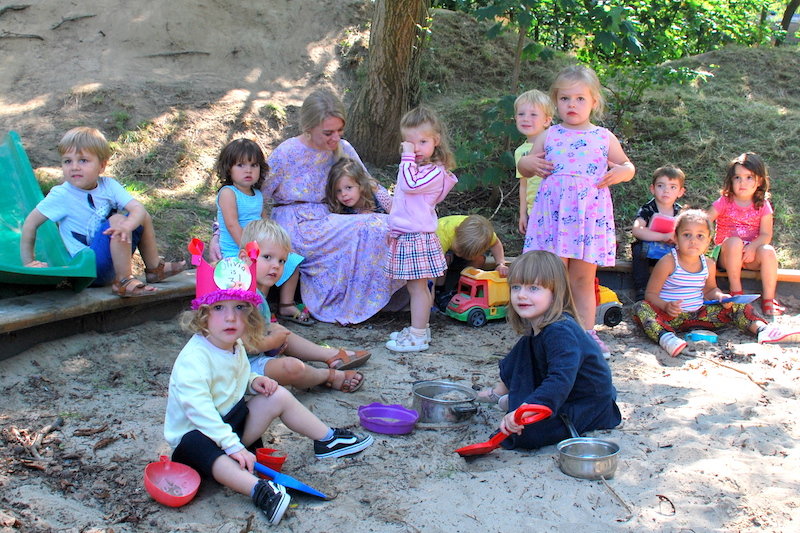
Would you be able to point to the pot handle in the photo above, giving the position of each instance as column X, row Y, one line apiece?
column 567, row 422
column 465, row 410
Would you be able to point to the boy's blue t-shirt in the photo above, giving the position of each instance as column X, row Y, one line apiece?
column 79, row 213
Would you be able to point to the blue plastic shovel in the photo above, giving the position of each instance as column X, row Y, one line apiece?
column 738, row 299
column 288, row 481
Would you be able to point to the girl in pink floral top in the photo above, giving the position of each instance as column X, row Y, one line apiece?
column 572, row 215
column 744, row 228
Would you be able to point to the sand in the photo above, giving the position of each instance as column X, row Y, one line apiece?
column 709, row 442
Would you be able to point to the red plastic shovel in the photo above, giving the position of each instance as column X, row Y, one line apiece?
column 540, row 413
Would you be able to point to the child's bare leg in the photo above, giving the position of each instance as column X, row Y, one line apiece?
column 421, row 302
column 291, row 371
column 305, row 350
column 281, row 404
column 148, row 249
column 228, row 472
column 730, row 258
column 766, row 262
column 581, row 281
column 286, row 294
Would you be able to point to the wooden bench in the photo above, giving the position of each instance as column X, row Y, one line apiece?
column 784, row 274
column 26, row 321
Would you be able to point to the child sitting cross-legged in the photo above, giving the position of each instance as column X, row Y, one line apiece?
column 88, row 210
column 209, row 424
column 680, row 283
column 274, row 244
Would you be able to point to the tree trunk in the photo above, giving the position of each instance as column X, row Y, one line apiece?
column 791, row 8
column 392, row 84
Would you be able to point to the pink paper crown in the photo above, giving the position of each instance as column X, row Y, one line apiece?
column 229, row 279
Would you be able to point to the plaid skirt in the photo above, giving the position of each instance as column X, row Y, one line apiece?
column 415, row 256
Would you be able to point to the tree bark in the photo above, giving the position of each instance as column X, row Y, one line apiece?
column 392, row 84
column 791, row 8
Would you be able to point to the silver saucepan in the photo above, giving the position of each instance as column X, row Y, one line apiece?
column 443, row 402
column 585, row 457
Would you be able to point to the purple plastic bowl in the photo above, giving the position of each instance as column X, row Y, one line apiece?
column 389, row 419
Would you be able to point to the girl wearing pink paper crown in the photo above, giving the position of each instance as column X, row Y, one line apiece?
column 209, row 424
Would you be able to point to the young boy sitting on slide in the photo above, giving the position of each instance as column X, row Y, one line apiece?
column 87, row 208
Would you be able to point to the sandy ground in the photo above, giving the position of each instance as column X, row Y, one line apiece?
column 704, row 447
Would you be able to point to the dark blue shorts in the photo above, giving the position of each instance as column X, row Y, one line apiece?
column 102, row 253
column 200, row 452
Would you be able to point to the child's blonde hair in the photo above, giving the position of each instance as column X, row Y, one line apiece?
column 546, row 270
column 196, row 321
column 473, row 237
column 425, row 116
column 319, row 106
column 265, row 229
column 535, row 97
column 348, row 167
column 670, row 172
column 689, row 216
column 83, row 139
column 240, row 151
column 575, row 74
column 754, row 164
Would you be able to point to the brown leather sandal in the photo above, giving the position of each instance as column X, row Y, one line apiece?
column 348, row 362
column 120, row 288
column 348, row 376
column 159, row 273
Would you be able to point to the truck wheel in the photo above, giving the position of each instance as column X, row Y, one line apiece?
column 613, row 316
column 476, row 318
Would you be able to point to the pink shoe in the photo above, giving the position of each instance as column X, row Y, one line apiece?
column 603, row 348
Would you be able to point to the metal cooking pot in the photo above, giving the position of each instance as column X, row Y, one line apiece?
column 443, row 402
column 585, row 457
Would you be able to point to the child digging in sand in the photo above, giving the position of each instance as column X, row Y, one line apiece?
column 209, row 424
column 87, row 208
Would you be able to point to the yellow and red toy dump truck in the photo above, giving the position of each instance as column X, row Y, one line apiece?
column 483, row 296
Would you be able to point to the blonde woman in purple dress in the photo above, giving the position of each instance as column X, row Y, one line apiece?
column 341, row 279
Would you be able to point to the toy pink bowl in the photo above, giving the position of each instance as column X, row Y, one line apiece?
column 389, row 419
column 173, row 484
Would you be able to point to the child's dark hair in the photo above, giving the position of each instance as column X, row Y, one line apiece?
column 754, row 164
column 196, row 321
column 236, row 151
column 425, row 116
column 670, row 172
column 689, row 216
column 473, row 237
column 351, row 168
column 546, row 270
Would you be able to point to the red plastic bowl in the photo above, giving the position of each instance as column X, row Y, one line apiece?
column 389, row 419
column 173, row 484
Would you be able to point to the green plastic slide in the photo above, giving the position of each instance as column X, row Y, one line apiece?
column 21, row 194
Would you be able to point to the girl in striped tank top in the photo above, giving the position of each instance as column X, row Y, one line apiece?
column 679, row 284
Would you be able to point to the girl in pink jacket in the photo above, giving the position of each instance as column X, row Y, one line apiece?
column 415, row 254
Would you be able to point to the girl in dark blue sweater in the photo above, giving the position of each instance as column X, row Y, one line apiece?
column 555, row 363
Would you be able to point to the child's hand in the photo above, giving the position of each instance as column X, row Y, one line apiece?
column 523, row 224
column 749, row 253
column 214, row 250
column 276, row 336
column 668, row 238
column 673, row 309
column 118, row 229
column 36, row 264
column 245, row 459
column 616, row 174
column 264, row 385
column 406, row 148
column 536, row 165
column 502, row 269
column 509, row 426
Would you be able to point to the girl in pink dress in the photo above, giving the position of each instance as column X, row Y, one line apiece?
column 572, row 215
column 744, row 228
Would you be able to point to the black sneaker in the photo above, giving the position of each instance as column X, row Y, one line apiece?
column 342, row 443
column 272, row 499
